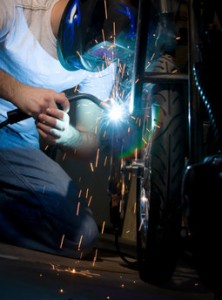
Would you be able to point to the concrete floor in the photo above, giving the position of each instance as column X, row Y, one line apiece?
column 32, row 275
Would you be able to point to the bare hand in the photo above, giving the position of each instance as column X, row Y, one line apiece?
column 34, row 101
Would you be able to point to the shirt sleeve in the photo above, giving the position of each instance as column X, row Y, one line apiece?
column 7, row 9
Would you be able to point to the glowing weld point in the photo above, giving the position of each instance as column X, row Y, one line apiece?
column 116, row 113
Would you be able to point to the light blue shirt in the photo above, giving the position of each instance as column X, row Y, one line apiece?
column 28, row 53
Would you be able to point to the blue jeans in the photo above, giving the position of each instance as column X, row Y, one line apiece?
column 40, row 207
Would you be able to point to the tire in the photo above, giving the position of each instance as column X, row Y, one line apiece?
column 159, row 217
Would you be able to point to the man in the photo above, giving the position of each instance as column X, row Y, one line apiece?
column 40, row 206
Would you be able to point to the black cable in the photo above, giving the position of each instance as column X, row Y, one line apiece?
column 3, row 124
column 131, row 264
column 16, row 115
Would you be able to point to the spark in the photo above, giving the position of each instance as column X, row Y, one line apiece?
column 62, row 241
column 105, row 7
column 64, row 156
column 105, row 161
column 87, row 193
column 77, row 209
column 90, row 200
column 141, row 224
column 145, row 141
column 136, row 154
column 103, row 227
column 80, row 193
column 95, row 257
column 123, row 189
column 91, row 167
column 97, row 157
column 114, row 32
column 121, row 206
column 80, row 242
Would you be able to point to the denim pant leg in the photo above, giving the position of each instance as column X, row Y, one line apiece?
column 40, row 206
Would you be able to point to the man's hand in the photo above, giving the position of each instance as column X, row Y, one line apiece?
column 30, row 100
column 54, row 127
column 35, row 101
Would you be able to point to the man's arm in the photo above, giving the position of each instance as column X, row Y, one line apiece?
column 31, row 100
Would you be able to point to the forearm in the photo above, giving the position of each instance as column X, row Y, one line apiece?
column 30, row 99
column 9, row 87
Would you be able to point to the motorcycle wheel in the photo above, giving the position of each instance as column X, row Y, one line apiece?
column 159, row 187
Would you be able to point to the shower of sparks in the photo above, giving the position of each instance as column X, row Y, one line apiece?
column 84, row 273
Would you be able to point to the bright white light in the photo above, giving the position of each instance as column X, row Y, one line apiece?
column 116, row 113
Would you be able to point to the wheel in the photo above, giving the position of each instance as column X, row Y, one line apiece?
column 159, row 201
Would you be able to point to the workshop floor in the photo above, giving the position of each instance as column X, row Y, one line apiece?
column 32, row 275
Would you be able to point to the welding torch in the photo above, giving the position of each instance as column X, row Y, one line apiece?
column 17, row 115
